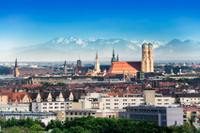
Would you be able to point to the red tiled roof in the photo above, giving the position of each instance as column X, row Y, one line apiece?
column 32, row 86
column 13, row 96
column 119, row 67
column 190, row 109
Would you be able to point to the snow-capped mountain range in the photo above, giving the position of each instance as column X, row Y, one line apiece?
column 60, row 49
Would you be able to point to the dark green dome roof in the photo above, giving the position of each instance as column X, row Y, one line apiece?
column 145, row 45
column 150, row 45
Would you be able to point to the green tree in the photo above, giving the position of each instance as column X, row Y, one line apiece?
column 191, row 119
column 56, row 130
column 60, row 84
column 30, row 106
column 143, row 86
column 36, row 127
column 177, row 99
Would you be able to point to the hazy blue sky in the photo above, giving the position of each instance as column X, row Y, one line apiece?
column 31, row 22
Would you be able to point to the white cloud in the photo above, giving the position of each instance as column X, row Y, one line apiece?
column 72, row 39
column 155, row 46
column 93, row 48
column 79, row 41
column 60, row 40
column 113, row 42
column 92, row 39
column 53, row 41
column 131, row 47
column 67, row 41
column 133, row 41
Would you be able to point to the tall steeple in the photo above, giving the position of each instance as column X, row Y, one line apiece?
column 113, row 57
column 65, row 67
column 97, row 64
column 16, row 72
column 117, row 57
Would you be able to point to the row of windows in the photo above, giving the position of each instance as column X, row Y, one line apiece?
column 124, row 99
column 164, row 103
column 161, row 99
column 56, row 103
column 78, row 113
column 56, row 107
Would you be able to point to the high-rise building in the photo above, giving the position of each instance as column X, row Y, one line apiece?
column 65, row 67
column 97, row 64
column 147, row 58
column 16, row 72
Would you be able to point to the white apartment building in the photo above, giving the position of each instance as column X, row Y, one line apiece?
column 14, row 107
column 147, row 97
column 51, row 106
column 43, row 116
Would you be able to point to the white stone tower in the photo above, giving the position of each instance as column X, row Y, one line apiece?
column 97, row 65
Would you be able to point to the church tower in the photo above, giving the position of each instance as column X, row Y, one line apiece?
column 16, row 72
column 65, row 67
column 113, row 57
column 147, row 58
column 151, row 63
column 97, row 64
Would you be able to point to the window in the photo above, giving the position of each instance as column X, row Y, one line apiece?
column 115, row 103
column 71, row 113
column 84, row 113
column 141, row 99
column 116, row 107
column 115, row 99
column 56, row 107
column 62, row 103
column 66, row 113
column 107, row 103
column 50, row 103
column 44, row 107
column 107, row 99
column 71, row 118
column 93, row 113
column 166, row 99
column 62, row 114
column 132, row 103
column 88, row 113
column 166, row 103
column 44, row 103
column 159, row 103
column 132, row 99
column 50, row 107
column 75, row 113
column 80, row 113
column 62, row 107
column 56, row 103
column 124, row 99
column 124, row 103
column 107, row 107
column 159, row 99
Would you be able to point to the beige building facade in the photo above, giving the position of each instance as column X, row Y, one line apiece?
column 3, row 99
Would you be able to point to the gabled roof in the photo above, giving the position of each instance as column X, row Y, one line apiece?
column 119, row 67
column 13, row 96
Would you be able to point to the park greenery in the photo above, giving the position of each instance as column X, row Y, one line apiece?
column 47, row 84
column 91, row 125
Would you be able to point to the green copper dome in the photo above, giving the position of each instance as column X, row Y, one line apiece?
column 145, row 45
column 150, row 45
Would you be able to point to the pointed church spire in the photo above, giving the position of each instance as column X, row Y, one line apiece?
column 113, row 53
column 97, row 55
column 117, row 57
column 16, row 63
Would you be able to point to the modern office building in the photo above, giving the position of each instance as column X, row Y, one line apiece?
column 162, row 115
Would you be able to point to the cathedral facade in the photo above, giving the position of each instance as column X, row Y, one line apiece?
column 146, row 65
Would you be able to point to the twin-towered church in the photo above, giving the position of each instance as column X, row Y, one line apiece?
column 117, row 67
